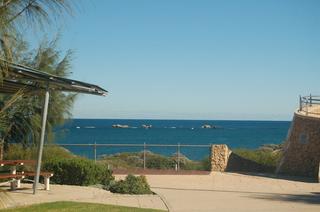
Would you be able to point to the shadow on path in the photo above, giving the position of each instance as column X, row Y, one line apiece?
column 277, row 176
column 312, row 198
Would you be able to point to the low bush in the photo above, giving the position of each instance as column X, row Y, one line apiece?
column 19, row 152
column 78, row 171
column 261, row 156
column 153, row 161
column 131, row 185
column 159, row 162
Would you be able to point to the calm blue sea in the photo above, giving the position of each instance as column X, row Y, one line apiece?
column 236, row 134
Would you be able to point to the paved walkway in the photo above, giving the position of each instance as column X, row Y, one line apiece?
column 79, row 194
column 235, row 192
column 141, row 171
column 214, row 192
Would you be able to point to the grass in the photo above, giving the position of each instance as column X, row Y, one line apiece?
column 77, row 207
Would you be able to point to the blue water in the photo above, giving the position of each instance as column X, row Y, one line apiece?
column 236, row 134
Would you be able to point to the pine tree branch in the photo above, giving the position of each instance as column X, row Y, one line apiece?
column 22, row 11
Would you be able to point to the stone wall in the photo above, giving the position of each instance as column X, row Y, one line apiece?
column 302, row 149
column 219, row 157
column 223, row 159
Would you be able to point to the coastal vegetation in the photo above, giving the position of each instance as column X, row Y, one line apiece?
column 77, row 207
column 20, row 114
column 129, row 160
column 78, row 171
column 68, row 169
column 18, row 151
column 268, row 155
column 131, row 185
column 22, row 121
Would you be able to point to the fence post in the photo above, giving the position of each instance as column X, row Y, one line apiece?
column 144, row 155
column 310, row 100
column 178, row 156
column 95, row 151
column 307, row 105
column 300, row 103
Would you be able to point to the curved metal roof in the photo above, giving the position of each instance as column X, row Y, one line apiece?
column 23, row 77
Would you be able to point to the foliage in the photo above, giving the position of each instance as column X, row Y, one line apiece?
column 131, row 185
column 123, row 160
column 16, row 14
column 78, row 171
column 25, row 116
column 203, row 164
column 128, row 160
column 159, row 162
column 76, row 207
column 20, row 115
column 18, row 152
column 262, row 156
column 13, row 13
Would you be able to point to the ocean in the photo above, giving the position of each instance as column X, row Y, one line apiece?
column 236, row 134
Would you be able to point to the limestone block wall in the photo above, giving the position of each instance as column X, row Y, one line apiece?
column 219, row 157
column 302, row 148
column 223, row 159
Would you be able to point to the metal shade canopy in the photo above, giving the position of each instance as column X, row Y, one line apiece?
column 23, row 77
column 20, row 76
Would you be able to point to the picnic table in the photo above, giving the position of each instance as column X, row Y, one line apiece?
column 16, row 176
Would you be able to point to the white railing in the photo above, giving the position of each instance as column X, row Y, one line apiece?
column 143, row 146
column 309, row 104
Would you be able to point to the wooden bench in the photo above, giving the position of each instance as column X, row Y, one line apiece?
column 16, row 177
column 16, row 162
column 45, row 175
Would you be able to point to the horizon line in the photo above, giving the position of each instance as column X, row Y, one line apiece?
column 182, row 119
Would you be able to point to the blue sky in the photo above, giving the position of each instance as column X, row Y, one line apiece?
column 180, row 59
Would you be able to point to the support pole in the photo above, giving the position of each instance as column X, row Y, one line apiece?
column 40, row 148
column 95, row 151
column 178, row 156
column 144, row 155
column 300, row 103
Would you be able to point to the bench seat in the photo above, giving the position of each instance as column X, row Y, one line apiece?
column 32, row 174
column 10, row 176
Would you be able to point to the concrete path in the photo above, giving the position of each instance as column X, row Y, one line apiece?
column 214, row 192
column 235, row 192
column 79, row 194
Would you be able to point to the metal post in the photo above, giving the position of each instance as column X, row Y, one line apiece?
column 300, row 103
column 310, row 100
column 144, row 155
column 40, row 147
column 178, row 156
column 95, row 151
column 307, row 104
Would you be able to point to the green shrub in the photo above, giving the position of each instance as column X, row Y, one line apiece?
column 206, row 164
column 159, row 162
column 261, row 156
column 128, row 160
column 131, row 185
column 18, row 152
column 203, row 164
column 78, row 171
